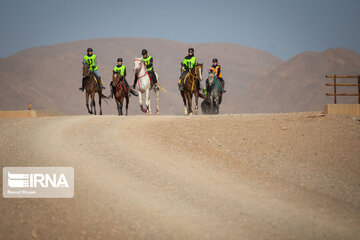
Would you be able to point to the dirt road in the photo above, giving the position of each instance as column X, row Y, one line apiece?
column 258, row 176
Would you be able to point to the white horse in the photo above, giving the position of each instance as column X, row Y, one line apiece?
column 143, row 85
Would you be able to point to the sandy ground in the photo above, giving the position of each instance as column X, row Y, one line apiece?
column 256, row 176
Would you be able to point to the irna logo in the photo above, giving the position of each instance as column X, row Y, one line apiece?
column 36, row 180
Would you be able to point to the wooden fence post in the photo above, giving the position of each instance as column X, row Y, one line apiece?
column 334, row 89
column 359, row 87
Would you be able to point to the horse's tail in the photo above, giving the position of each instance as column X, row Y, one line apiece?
column 104, row 97
column 162, row 89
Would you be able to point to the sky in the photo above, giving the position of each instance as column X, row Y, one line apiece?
column 284, row 28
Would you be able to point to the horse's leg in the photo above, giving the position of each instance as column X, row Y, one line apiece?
column 87, row 102
column 196, row 103
column 211, row 104
column 127, row 104
column 118, row 107
column 184, row 100
column 100, row 102
column 93, row 101
column 190, row 104
column 121, row 106
column 140, row 102
column 157, row 93
column 147, row 101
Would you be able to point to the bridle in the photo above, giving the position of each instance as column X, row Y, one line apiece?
column 194, row 76
column 137, row 72
column 88, row 70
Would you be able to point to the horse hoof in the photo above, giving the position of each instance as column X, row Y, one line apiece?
column 157, row 113
column 191, row 114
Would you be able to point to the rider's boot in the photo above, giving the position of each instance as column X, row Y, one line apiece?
column 181, row 84
column 157, row 88
column 101, row 84
column 82, row 85
column 153, row 77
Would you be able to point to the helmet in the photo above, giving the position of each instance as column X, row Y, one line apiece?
column 214, row 60
column 119, row 60
column 191, row 50
column 90, row 50
column 143, row 52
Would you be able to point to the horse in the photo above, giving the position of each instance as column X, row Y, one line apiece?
column 190, row 88
column 215, row 93
column 120, row 93
column 144, row 84
column 91, row 87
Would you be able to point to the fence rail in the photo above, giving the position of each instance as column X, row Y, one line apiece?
column 343, row 84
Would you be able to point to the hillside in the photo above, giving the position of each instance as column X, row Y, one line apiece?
column 49, row 76
column 299, row 83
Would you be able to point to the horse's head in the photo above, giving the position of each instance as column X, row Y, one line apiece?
column 138, row 64
column 115, row 78
column 86, row 70
column 198, row 71
column 211, row 77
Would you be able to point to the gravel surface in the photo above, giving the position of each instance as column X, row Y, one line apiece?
column 255, row 176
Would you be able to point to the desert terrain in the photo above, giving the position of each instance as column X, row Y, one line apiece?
column 230, row 176
column 257, row 81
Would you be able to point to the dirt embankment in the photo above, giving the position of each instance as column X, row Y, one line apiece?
column 256, row 176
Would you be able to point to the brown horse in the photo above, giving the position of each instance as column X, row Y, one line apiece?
column 191, row 88
column 120, row 93
column 91, row 87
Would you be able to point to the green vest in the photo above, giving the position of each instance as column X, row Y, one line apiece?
column 91, row 62
column 120, row 70
column 147, row 62
column 190, row 63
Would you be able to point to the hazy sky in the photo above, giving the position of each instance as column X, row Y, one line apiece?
column 282, row 27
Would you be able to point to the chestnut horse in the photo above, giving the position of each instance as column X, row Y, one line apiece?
column 190, row 88
column 120, row 93
column 91, row 87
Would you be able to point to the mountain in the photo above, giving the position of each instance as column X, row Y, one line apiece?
column 299, row 83
column 49, row 76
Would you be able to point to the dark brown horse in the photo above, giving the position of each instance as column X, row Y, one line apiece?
column 120, row 93
column 91, row 87
column 191, row 88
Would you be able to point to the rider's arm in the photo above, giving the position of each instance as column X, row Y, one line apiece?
column 150, row 64
column 95, row 63
column 125, row 72
column 218, row 72
column 185, row 64
column 193, row 61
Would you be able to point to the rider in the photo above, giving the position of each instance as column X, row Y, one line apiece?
column 90, row 59
column 216, row 69
column 188, row 64
column 148, row 61
column 121, row 69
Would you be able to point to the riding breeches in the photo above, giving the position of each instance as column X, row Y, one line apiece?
column 152, row 76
